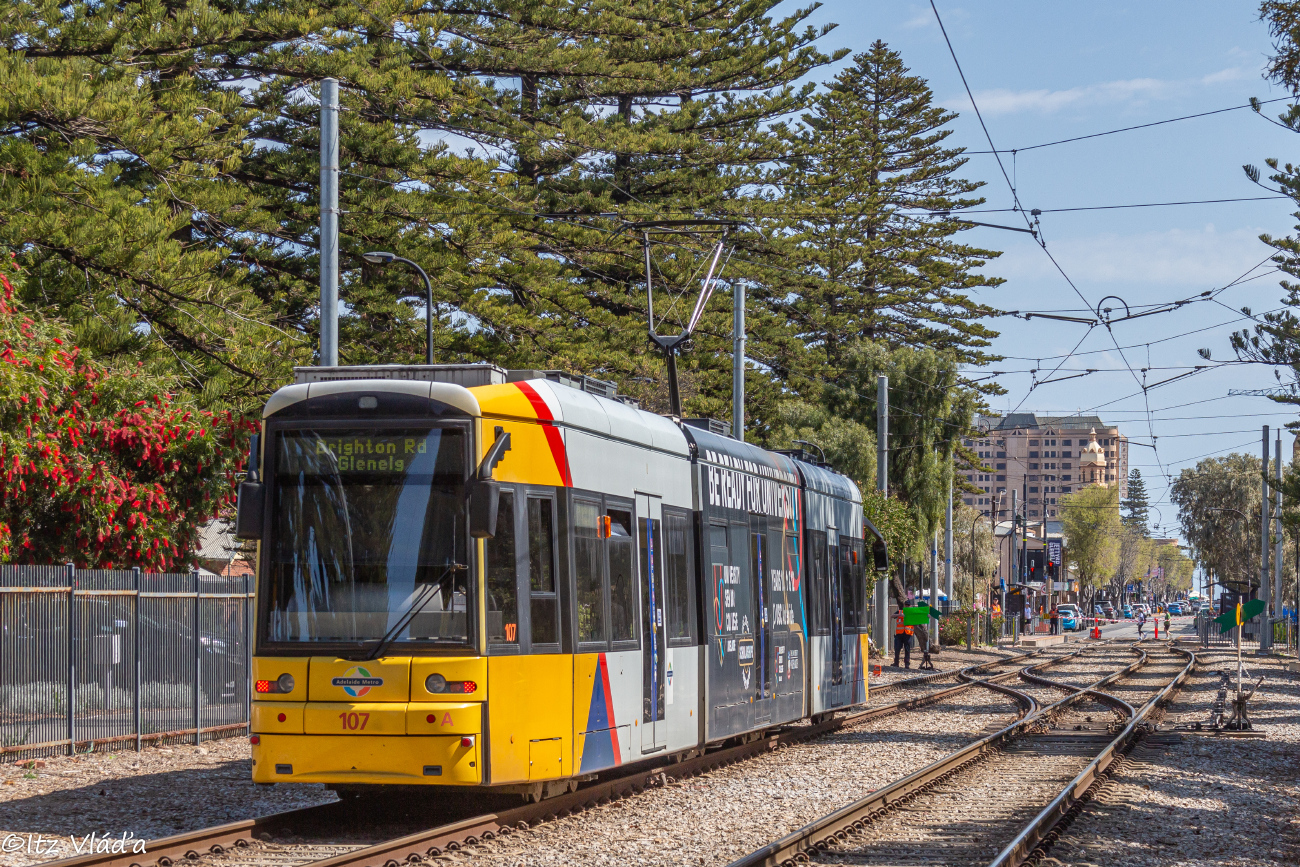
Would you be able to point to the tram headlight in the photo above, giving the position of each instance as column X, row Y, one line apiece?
column 435, row 683
column 284, row 683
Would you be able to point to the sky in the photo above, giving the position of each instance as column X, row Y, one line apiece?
column 1041, row 72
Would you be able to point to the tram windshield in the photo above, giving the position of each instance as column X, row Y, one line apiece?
column 369, row 538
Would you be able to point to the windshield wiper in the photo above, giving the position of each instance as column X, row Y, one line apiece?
column 422, row 598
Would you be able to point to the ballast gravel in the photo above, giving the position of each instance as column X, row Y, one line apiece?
column 1204, row 799
column 946, row 659
column 153, row 793
column 714, row 818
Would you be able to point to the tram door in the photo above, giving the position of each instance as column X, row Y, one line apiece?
column 835, row 579
column 759, row 557
column 654, row 648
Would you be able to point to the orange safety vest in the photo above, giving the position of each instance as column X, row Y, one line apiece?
column 899, row 628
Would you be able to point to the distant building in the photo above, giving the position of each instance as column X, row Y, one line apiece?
column 1043, row 458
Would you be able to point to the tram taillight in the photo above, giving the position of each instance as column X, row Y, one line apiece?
column 282, row 684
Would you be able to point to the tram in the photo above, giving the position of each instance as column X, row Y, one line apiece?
column 469, row 577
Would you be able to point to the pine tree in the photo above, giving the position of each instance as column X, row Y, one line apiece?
column 115, row 160
column 875, row 259
column 168, row 205
column 1137, row 508
column 645, row 111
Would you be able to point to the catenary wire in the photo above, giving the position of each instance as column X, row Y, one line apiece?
column 1139, row 126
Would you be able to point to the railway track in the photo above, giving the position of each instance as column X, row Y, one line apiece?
column 997, row 800
column 387, row 832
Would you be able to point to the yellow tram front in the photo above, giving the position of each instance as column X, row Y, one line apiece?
column 371, row 503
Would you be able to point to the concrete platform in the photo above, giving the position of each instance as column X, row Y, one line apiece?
column 1042, row 640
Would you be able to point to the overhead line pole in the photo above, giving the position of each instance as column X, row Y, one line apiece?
column 329, row 223
column 1265, row 580
column 947, row 541
column 882, row 485
column 1277, row 526
column 737, row 362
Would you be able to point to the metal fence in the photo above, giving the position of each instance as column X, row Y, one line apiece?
column 1208, row 633
column 93, row 657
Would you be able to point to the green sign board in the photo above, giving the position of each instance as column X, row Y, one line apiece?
column 1244, row 612
column 919, row 616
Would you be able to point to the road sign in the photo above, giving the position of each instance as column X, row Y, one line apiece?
column 918, row 616
column 1239, row 615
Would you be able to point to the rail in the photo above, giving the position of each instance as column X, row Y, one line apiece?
column 452, row 836
column 819, row 834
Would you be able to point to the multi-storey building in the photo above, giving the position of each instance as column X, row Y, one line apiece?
column 1043, row 458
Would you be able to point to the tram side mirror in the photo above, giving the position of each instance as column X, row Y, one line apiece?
column 252, row 494
column 881, row 555
column 483, row 500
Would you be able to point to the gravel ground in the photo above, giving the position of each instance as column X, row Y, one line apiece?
column 716, row 817
column 67, row 797
column 948, row 659
column 1206, row 799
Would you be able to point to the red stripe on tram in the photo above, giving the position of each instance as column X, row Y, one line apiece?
column 553, row 437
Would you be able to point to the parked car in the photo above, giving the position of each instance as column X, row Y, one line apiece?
column 1110, row 611
column 1127, row 611
column 1071, row 619
column 1099, row 610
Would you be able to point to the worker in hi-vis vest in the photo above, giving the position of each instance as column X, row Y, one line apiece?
column 902, row 640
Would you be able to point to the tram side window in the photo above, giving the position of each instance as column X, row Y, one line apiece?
column 860, row 582
column 678, row 592
column 587, row 565
column 623, row 596
column 502, row 588
column 819, row 586
column 851, row 588
column 541, row 571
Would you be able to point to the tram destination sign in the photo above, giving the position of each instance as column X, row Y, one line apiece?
column 325, row 453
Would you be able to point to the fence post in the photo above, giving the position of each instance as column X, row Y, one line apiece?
column 135, row 574
column 198, row 666
column 246, row 625
column 72, row 658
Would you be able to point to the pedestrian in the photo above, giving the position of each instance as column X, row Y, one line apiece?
column 1166, row 623
column 1056, row 620
column 1142, row 622
column 902, row 640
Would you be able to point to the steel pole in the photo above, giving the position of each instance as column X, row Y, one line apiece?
column 947, row 542
column 934, row 587
column 882, row 485
column 329, row 223
column 738, row 363
column 1265, row 580
column 1277, row 526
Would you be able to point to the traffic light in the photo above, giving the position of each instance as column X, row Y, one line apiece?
column 1034, row 565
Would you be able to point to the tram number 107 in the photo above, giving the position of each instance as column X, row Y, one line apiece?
column 354, row 721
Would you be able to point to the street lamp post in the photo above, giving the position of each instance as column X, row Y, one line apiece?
column 381, row 258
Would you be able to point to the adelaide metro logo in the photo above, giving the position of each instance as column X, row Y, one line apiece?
column 357, row 681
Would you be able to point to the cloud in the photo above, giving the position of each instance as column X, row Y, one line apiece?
column 919, row 21
column 1127, row 91
column 1232, row 73
column 1001, row 101
column 1190, row 259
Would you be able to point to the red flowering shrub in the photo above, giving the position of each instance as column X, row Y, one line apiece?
column 98, row 466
